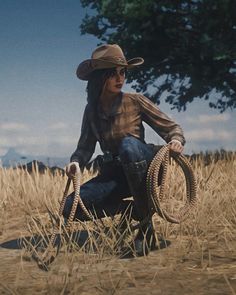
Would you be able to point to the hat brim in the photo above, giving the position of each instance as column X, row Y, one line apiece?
column 89, row 65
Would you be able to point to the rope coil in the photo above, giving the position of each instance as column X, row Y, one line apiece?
column 50, row 252
column 162, row 159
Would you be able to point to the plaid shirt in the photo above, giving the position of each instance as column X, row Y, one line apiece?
column 124, row 118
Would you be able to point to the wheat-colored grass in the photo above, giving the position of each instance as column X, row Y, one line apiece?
column 200, row 260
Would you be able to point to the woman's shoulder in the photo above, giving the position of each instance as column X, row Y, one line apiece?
column 136, row 97
column 131, row 96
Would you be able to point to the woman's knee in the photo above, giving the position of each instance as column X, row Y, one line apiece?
column 129, row 150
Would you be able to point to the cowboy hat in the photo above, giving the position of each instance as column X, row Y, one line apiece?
column 104, row 57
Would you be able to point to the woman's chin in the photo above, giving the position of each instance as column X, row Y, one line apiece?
column 118, row 89
column 115, row 91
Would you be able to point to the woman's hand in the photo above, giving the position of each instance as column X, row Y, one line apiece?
column 176, row 146
column 72, row 169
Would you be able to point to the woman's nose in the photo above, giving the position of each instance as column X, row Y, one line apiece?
column 119, row 76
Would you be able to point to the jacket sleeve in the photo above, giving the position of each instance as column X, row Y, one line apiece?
column 86, row 144
column 159, row 122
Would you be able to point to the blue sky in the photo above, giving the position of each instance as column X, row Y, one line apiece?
column 41, row 99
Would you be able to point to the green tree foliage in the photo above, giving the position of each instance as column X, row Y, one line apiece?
column 189, row 47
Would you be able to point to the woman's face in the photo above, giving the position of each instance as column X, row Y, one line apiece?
column 115, row 80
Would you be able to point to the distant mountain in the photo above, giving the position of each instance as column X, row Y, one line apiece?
column 13, row 158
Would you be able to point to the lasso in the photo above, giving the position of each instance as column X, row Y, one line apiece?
column 155, row 195
column 50, row 252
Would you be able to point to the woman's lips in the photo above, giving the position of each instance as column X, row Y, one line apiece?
column 118, row 85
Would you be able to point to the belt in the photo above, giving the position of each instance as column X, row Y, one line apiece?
column 108, row 157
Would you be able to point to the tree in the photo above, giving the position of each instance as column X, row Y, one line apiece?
column 189, row 46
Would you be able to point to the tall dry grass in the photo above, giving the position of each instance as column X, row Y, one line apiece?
column 209, row 232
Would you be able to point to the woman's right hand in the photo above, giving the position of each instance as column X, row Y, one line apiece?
column 72, row 169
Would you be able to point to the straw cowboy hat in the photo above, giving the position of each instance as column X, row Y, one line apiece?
column 105, row 57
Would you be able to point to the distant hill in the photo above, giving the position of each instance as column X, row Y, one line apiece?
column 41, row 168
column 13, row 158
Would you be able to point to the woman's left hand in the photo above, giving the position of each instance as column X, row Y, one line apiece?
column 176, row 146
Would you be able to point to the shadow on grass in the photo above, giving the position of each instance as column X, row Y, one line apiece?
column 78, row 238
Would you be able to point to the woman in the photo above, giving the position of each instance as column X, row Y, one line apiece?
column 114, row 119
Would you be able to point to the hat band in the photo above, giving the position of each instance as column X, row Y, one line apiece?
column 115, row 59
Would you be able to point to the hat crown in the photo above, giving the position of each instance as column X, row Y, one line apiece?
column 106, row 56
column 108, row 50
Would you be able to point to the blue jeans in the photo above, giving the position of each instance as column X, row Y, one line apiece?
column 106, row 191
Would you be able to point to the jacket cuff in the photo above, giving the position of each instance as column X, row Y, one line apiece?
column 74, row 159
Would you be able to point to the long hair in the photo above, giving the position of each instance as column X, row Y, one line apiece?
column 95, row 86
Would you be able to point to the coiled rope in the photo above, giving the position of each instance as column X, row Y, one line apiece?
column 155, row 197
column 51, row 252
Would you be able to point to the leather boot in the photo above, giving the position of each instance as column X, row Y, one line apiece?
column 145, row 239
column 135, row 173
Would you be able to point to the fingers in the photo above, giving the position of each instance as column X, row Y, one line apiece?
column 176, row 146
column 72, row 169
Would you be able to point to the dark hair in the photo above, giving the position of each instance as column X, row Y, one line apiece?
column 94, row 89
column 96, row 83
column 95, row 86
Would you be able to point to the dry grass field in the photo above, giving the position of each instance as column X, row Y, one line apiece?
column 201, row 257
